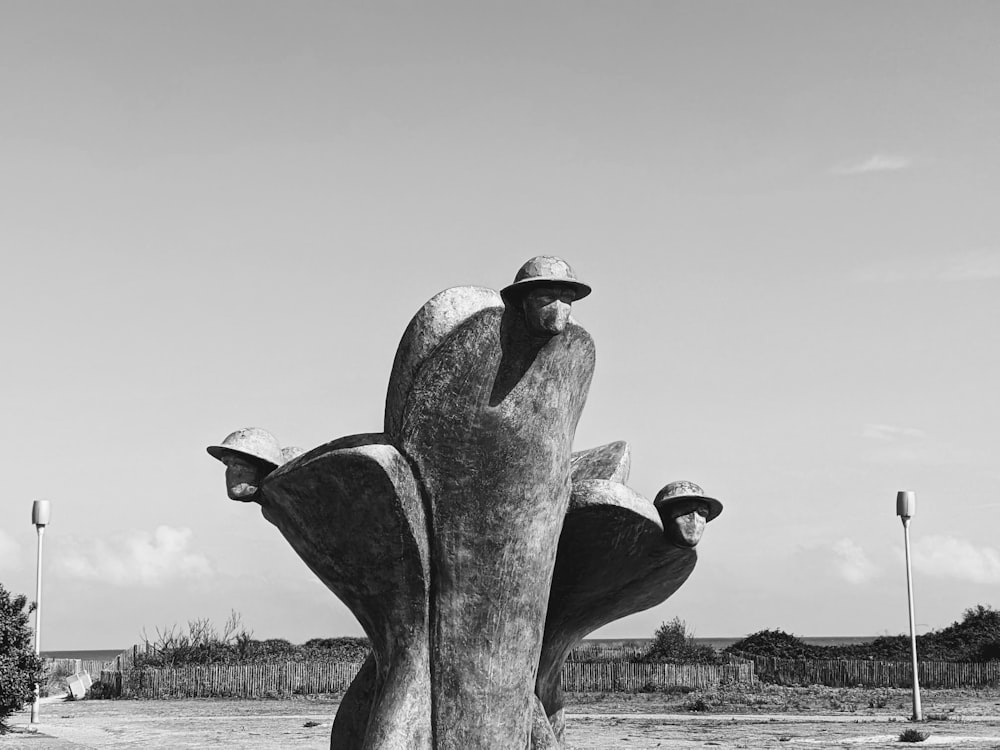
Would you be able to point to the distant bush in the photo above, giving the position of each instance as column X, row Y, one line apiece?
column 338, row 649
column 102, row 690
column 974, row 638
column 202, row 643
column 673, row 643
column 776, row 643
column 20, row 669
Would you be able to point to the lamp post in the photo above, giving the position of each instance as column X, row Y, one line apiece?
column 40, row 517
column 906, row 508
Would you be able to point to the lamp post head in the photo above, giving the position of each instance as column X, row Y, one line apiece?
column 40, row 512
column 906, row 504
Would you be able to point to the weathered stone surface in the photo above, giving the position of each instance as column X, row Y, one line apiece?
column 613, row 560
column 448, row 536
column 543, row 736
column 250, row 454
column 439, row 317
column 611, row 461
column 351, row 721
column 489, row 424
column 685, row 509
column 352, row 511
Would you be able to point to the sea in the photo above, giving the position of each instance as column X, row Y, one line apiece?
column 720, row 642
column 96, row 654
column 716, row 643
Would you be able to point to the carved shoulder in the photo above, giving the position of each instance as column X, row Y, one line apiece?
column 432, row 324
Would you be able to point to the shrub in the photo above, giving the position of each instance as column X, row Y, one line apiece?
column 20, row 669
column 974, row 638
column 776, row 643
column 913, row 735
column 879, row 699
column 337, row 649
column 673, row 642
column 100, row 690
column 697, row 704
column 202, row 643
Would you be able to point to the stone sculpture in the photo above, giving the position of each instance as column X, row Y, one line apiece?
column 474, row 547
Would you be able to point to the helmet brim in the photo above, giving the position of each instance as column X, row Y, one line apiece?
column 714, row 506
column 218, row 451
column 520, row 287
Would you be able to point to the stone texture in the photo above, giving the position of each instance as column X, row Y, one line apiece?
column 439, row 317
column 351, row 721
column 489, row 424
column 352, row 511
column 543, row 736
column 611, row 461
column 613, row 560
column 473, row 546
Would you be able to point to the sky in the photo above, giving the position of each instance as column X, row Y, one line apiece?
column 223, row 214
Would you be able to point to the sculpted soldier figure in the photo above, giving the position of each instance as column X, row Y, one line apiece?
column 475, row 581
column 489, row 425
column 250, row 454
column 690, row 509
column 545, row 288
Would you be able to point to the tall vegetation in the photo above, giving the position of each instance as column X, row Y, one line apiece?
column 20, row 669
column 673, row 642
column 203, row 643
column 974, row 638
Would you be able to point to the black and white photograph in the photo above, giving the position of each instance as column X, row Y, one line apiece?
column 555, row 375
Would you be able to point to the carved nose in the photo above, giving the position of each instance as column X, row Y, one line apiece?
column 560, row 315
column 242, row 491
column 241, row 483
column 689, row 528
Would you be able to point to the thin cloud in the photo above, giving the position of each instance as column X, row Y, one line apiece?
column 874, row 163
column 853, row 564
column 892, row 444
column 888, row 432
column 10, row 552
column 972, row 266
column 957, row 559
column 139, row 558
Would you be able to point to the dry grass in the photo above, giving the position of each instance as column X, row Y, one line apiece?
column 776, row 699
column 772, row 717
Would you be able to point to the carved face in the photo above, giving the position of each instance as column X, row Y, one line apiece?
column 687, row 523
column 547, row 308
column 243, row 476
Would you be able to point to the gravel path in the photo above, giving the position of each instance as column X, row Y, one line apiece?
column 305, row 725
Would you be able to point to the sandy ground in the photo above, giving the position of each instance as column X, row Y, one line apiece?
column 821, row 717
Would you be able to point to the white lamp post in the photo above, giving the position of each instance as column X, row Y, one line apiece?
column 40, row 517
column 906, row 508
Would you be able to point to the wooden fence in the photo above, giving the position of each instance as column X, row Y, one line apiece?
column 599, row 653
column 232, row 681
column 127, row 658
column 872, row 673
column 73, row 666
column 315, row 678
column 584, row 652
column 628, row 677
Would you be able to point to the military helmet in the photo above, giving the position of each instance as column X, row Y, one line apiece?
column 291, row 451
column 546, row 270
column 676, row 492
column 250, row 441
